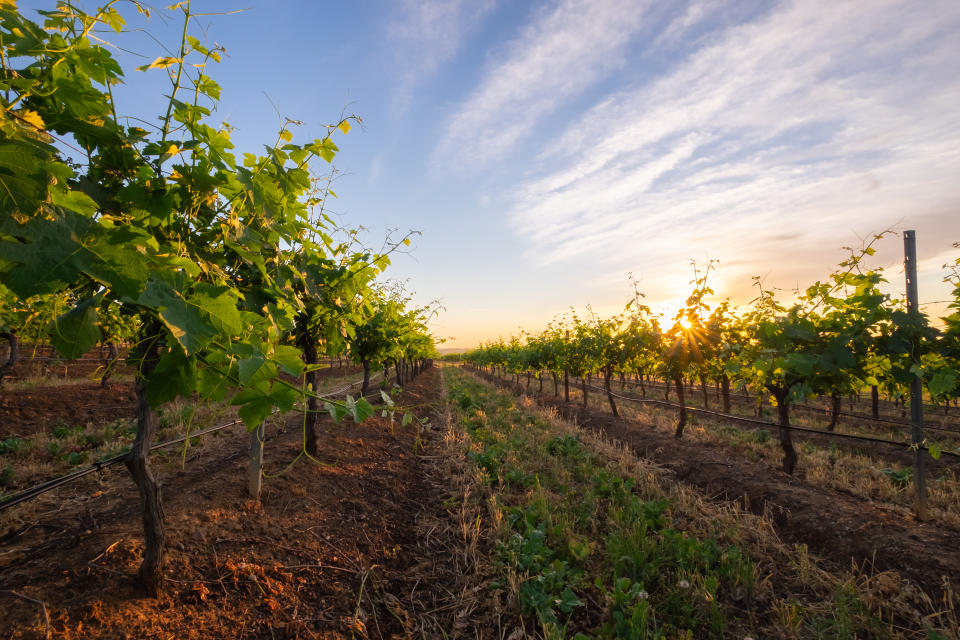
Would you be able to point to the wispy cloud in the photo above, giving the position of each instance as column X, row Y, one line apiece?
column 561, row 53
column 800, row 128
column 426, row 34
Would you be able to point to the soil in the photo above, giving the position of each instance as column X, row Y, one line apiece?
column 332, row 550
column 836, row 526
column 38, row 409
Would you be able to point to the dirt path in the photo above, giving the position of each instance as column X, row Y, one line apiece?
column 836, row 526
column 332, row 550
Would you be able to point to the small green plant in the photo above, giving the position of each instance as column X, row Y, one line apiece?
column 76, row 457
column 900, row 477
column 565, row 446
column 761, row 435
column 54, row 448
column 12, row 445
column 91, row 440
column 6, row 476
column 61, row 431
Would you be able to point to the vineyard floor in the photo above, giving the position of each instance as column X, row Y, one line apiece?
column 331, row 550
column 834, row 525
column 49, row 402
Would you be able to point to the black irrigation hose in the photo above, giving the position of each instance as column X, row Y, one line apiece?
column 842, row 414
column 49, row 485
column 765, row 423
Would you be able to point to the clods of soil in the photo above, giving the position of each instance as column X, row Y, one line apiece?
column 332, row 549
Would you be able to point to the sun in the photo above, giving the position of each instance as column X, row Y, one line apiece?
column 685, row 323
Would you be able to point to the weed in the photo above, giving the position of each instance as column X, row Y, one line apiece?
column 901, row 478
column 62, row 430
column 564, row 446
column 6, row 476
column 12, row 445
column 75, row 458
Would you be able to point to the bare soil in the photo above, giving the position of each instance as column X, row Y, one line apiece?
column 24, row 412
column 836, row 526
column 333, row 550
column 38, row 409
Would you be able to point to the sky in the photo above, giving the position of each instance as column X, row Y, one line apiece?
column 545, row 150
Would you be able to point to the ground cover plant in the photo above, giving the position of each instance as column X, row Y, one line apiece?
column 593, row 542
column 878, row 473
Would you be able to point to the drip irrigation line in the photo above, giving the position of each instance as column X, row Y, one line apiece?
column 841, row 414
column 49, row 485
column 765, row 423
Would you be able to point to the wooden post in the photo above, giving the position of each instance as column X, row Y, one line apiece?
column 916, row 385
column 255, row 470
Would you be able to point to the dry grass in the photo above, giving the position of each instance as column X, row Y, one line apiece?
column 455, row 542
column 829, row 467
column 793, row 591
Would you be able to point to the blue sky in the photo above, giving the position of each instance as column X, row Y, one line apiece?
column 546, row 149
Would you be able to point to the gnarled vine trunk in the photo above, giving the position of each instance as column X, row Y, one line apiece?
column 150, row 574
column 682, row 420
column 706, row 396
column 725, row 386
column 834, row 410
column 786, row 436
column 308, row 345
column 111, row 361
column 566, row 386
column 366, row 378
column 875, row 402
column 583, row 380
column 13, row 351
column 607, row 374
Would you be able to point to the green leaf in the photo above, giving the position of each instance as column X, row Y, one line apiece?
column 175, row 375
column 289, row 359
column 942, row 382
column 194, row 318
column 76, row 331
column 407, row 419
column 934, row 450
column 73, row 200
column 362, row 410
column 247, row 367
column 283, row 396
column 337, row 410
column 254, row 412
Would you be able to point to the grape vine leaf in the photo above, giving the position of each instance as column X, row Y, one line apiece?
column 76, row 331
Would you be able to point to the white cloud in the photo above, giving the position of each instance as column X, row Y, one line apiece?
column 777, row 142
column 427, row 34
column 559, row 55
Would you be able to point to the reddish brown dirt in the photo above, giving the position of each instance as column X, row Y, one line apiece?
column 330, row 550
column 836, row 526
column 38, row 409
